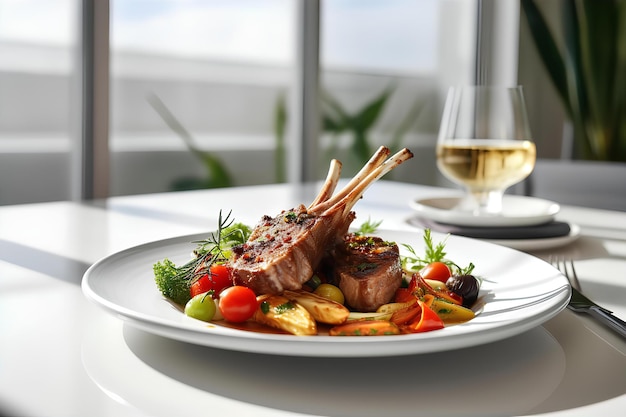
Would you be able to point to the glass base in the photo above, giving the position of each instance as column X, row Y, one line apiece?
column 482, row 203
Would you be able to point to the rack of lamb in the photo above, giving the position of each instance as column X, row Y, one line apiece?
column 283, row 252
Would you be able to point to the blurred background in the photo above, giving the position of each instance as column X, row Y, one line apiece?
column 117, row 97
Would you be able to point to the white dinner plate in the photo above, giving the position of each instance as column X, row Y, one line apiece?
column 518, row 293
column 516, row 211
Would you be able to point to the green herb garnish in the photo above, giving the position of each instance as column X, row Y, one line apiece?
column 265, row 307
column 283, row 308
column 432, row 253
column 368, row 227
column 175, row 281
column 366, row 266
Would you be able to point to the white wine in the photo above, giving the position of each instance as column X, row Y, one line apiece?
column 486, row 164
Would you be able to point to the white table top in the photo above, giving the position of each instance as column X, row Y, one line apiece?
column 61, row 355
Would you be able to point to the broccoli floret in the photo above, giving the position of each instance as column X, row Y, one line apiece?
column 171, row 282
column 174, row 282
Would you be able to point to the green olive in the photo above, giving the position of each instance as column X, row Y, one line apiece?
column 330, row 292
column 201, row 307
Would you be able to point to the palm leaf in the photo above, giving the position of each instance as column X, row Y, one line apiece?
column 548, row 50
column 589, row 73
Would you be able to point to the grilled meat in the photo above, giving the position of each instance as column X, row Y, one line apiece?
column 283, row 251
column 368, row 271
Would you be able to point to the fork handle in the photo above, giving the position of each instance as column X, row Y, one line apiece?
column 609, row 319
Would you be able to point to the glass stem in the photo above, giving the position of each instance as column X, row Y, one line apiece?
column 488, row 202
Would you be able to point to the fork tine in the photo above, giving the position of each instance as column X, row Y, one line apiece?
column 570, row 273
column 573, row 278
column 555, row 262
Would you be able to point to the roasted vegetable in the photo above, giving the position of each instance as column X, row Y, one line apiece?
column 393, row 307
column 427, row 321
column 281, row 313
column 371, row 316
column 466, row 286
column 451, row 313
column 322, row 309
column 365, row 328
column 171, row 282
column 175, row 282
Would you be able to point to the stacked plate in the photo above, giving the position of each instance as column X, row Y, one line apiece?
column 526, row 223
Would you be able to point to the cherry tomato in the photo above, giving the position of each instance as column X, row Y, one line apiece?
column 237, row 303
column 437, row 271
column 217, row 279
column 201, row 307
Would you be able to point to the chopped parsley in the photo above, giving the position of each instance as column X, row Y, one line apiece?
column 368, row 227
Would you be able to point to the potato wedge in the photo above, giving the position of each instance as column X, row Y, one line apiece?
column 282, row 313
column 451, row 313
column 322, row 309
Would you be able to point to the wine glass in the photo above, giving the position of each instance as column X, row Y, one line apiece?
column 485, row 144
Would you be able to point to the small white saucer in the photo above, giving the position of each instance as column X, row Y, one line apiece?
column 531, row 245
column 516, row 211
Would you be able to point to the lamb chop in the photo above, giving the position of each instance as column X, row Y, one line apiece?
column 368, row 271
column 283, row 251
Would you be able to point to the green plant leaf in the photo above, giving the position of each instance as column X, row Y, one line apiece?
column 368, row 115
column 589, row 74
column 407, row 122
column 335, row 118
column 548, row 50
column 332, row 125
column 217, row 174
column 280, row 123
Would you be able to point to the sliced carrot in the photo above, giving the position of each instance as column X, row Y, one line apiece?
column 365, row 328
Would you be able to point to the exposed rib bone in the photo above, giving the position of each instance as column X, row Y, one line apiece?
column 334, row 171
column 372, row 171
column 282, row 252
column 373, row 162
column 355, row 194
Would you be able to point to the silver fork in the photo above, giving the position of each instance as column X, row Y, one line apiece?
column 581, row 304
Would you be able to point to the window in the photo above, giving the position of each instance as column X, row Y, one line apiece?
column 216, row 67
column 396, row 37
column 402, row 53
column 37, row 58
column 221, row 70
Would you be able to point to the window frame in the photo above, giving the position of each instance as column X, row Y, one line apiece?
column 91, row 141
